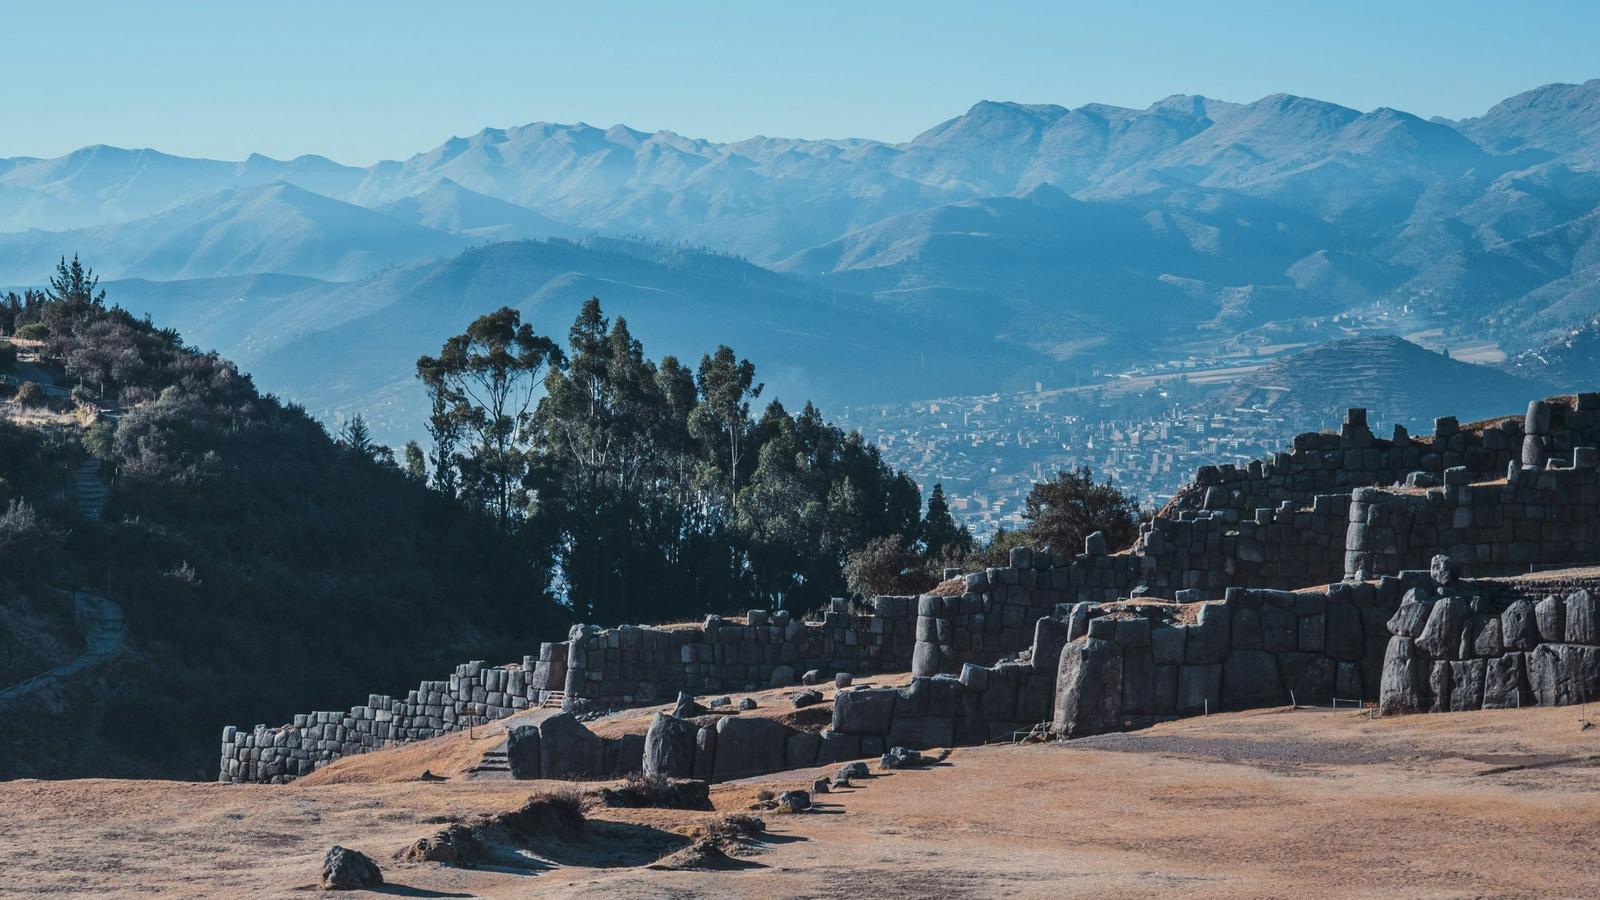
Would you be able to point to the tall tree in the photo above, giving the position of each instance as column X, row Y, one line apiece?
column 487, row 379
column 941, row 536
column 722, row 419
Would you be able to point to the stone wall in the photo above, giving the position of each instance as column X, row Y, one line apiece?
column 1463, row 645
column 1535, row 516
column 1133, row 664
column 636, row 666
column 473, row 695
column 618, row 667
column 1322, row 463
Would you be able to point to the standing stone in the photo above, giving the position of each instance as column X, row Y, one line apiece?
column 1502, row 682
column 1409, row 620
column 569, row 750
column 812, row 676
column 1442, row 570
column 841, row 680
column 705, row 752
column 1466, row 685
column 1401, row 690
column 1089, row 688
column 1166, row 643
column 925, row 658
column 1518, row 631
column 669, row 747
column 1049, row 636
column 1441, row 634
column 1581, row 625
column 747, row 747
column 1439, row 686
column 1550, row 617
column 522, row 752
column 1486, row 637
column 1207, row 639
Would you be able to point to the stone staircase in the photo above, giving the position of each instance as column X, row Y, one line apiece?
column 554, row 699
column 495, row 764
column 89, row 483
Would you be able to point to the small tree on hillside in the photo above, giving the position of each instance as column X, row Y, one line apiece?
column 1063, row 511
column 942, row 538
column 886, row 565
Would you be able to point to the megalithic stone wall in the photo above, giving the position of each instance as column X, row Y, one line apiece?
column 635, row 665
column 1462, row 645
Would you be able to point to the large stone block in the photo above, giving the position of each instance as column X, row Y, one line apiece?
column 705, row 752
column 1138, row 682
column 1441, row 634
column 802, row 749
column 1582, row 626
column 864, row 711
column 1518, row 630
column 1550, row 617
column 748, row 747
column 1412, row 616
column 1250, row 679
column 1466, row 685
column 1207, row 639
column 1503, row 683
column 568, row 750
column 1089, row 688
column 1309, row 677
column 1166, row 643
column 1343, row 634
column 1402, row 687
column 1199, row 689
column 522, row 752
column 1280, row 628
column 669, row 747
column 835, row 747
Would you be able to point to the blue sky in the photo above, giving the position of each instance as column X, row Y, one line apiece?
column 360, row 81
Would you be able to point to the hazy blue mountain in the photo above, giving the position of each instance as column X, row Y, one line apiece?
column 276, row 228
column 99, row 185
column 448, row 206
column 1398, row 381
column 808, row 342
column 1559, row 119
column 1058, row 237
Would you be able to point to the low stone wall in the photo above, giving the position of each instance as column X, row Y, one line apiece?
column 618, row 667
column 473, row 695
column 636, row 666
column 1463, row 645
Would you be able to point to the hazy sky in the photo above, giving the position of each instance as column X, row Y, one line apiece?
column 360, row 81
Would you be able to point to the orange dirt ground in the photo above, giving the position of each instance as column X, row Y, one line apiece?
column 1267, row 803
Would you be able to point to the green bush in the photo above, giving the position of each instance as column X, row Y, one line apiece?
column 34, row 331
column 8, row 355
column 30, row 394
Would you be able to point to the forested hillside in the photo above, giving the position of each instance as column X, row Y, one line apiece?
column 266, row 566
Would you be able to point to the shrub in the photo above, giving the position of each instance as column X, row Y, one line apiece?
column 100, row 440
column 8, row 355
column 34, row 331
column 30, row 394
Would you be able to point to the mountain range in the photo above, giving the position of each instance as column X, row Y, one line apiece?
column 1017, row 242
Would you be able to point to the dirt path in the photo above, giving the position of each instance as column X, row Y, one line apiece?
column 105, row 629
column 1268, row 803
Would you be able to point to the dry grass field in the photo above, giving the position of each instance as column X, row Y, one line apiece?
column 1273, row 803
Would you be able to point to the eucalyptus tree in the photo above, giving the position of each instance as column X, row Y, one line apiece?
column 483, row 385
